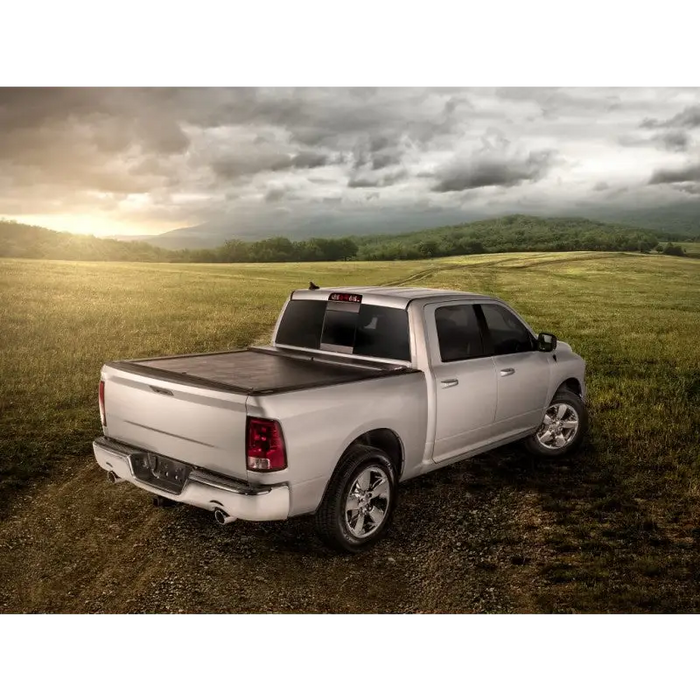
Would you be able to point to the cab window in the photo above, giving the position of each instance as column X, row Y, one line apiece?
column 458, row 333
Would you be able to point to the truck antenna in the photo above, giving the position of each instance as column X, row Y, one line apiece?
column 313, row 286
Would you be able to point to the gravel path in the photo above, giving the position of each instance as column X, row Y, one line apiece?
column 461, row 541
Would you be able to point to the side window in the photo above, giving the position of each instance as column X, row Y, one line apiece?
column 458, row 333
column 507, row 333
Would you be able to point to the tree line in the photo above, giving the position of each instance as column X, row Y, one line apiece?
column 506, row 234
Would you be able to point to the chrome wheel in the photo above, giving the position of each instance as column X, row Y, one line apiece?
column 367, row 503
column 559, row 426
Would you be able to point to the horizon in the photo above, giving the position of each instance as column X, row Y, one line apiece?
column 616, row 223
column 146, row 161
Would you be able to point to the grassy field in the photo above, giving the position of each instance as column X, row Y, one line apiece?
column 692, row 249
column 613, row 529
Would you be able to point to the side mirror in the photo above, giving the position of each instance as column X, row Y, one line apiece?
column 546, row 342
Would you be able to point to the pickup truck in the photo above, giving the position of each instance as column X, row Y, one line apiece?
column 360, row 389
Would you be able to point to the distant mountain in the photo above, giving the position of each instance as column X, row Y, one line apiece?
column 212, row 234
column 180, row 239
column 682, row 219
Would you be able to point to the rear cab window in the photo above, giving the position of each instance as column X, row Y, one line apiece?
column 345, row 325
column 458, row 333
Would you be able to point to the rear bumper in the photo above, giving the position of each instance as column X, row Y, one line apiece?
column 202, row 489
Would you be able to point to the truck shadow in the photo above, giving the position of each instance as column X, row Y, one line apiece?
column 503, row 532
column 436, row 497
column 605, row 538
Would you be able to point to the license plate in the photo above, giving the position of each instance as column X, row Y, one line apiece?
column 166, row 470
column 162, row 472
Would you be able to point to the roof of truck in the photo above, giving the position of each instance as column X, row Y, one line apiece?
column 390, row 296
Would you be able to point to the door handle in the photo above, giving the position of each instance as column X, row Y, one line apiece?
column 507, row 372
column 447, row 383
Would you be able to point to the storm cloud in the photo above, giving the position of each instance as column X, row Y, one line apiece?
column 148, row 159
column 674, row 140
column 492, row 171
column 689, row 118
column 688, row 173
column 251, row 161
column 374, row 180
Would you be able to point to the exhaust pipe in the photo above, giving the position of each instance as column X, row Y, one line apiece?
column 113, row 478
column 222, row 517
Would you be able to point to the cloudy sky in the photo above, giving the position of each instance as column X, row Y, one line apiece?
column 141, row 161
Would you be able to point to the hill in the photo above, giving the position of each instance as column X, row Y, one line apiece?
column 509, row 234
column 191, row 238
column 681, row 219
column 506, row 234
column 22, row 241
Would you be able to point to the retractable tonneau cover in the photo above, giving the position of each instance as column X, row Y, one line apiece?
column 256, row 370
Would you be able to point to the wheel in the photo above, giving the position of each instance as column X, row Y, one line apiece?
column 359, row 502
column 563, row 427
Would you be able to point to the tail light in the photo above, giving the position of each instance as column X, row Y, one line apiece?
column 265, row 445
column 103, row 415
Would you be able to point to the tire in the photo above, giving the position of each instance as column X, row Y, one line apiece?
column 348, row 529
column 568, row 408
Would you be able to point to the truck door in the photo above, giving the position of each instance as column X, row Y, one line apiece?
column 522, row 371
column 464, row 379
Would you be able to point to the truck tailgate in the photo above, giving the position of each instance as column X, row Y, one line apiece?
column 200, row 425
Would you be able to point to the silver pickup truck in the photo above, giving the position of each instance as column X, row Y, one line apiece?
column 361, row 388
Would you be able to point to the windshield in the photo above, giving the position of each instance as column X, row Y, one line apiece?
column 354, row 329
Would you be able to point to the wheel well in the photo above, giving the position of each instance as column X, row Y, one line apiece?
column 387, row 441
column 572, row 385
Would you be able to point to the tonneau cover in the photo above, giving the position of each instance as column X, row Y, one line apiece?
column 258, row 370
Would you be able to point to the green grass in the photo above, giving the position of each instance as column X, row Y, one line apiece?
column 624, row 512
column 692, row 249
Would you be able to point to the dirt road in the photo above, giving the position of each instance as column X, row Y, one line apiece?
column 462, row 541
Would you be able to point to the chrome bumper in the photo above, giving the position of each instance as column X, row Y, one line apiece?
column 201, row 489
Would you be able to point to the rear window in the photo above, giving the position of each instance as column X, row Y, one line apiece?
column 356, row 329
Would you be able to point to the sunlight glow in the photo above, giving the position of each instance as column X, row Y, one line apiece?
column 87, row 224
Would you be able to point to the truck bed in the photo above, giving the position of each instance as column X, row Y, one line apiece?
column 257, row 371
